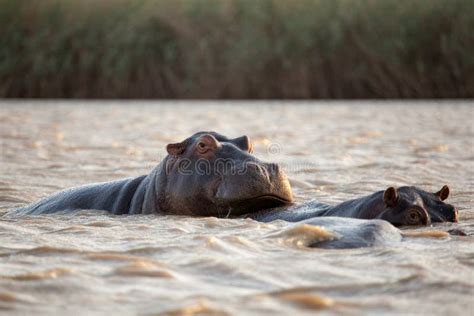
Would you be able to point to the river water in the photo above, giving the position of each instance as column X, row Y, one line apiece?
column 92, row 263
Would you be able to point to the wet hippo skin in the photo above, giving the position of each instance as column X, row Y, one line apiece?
column 207, row 174
column 355, row 233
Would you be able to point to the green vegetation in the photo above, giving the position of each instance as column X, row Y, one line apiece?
column 237, row 48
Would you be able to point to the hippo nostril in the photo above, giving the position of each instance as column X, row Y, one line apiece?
column 273, row 168
column 256, row 168
column 251, row 166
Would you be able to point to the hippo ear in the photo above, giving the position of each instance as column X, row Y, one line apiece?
column 390, row 197
column 443, row 193
column 243, row 143
column 176, row 149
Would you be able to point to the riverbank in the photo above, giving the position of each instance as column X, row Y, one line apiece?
column 236, row 49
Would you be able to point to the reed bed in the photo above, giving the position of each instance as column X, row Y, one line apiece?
column 237, row 49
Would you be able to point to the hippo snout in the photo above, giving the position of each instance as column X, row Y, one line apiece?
column 270, row 171
column 279, row 184
column 455, row 217
column 258, row 186
column 275, row 170
column 258, row 169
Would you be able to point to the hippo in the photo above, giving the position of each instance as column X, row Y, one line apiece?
column 207, row 174
column 355, row 233
column 407, row 205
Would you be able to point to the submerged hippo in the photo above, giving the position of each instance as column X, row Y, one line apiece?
column 355, row 233
column 207, row 174
column 406, row 205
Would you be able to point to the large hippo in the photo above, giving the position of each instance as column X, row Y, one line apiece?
column 406, row 205
column 207, row 174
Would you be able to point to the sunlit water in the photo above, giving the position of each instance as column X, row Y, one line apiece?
column 94, row 263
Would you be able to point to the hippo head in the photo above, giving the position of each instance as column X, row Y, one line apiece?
column 209, row 174
column 438, row 210
column 413, row 206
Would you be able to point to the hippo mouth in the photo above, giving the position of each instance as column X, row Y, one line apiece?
column 258, row 203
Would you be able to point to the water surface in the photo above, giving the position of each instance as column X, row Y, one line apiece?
column 94, row 263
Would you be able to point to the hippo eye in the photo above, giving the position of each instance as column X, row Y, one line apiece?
column 206, row 144
column 202, row 147
column 416, row 216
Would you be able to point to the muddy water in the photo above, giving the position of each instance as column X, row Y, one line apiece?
column 94, row 263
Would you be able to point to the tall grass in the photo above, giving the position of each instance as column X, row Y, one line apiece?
column 237, row 48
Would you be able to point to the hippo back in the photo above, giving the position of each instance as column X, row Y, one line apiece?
column 293, row 213
column 356, row 233
column 114, row 196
